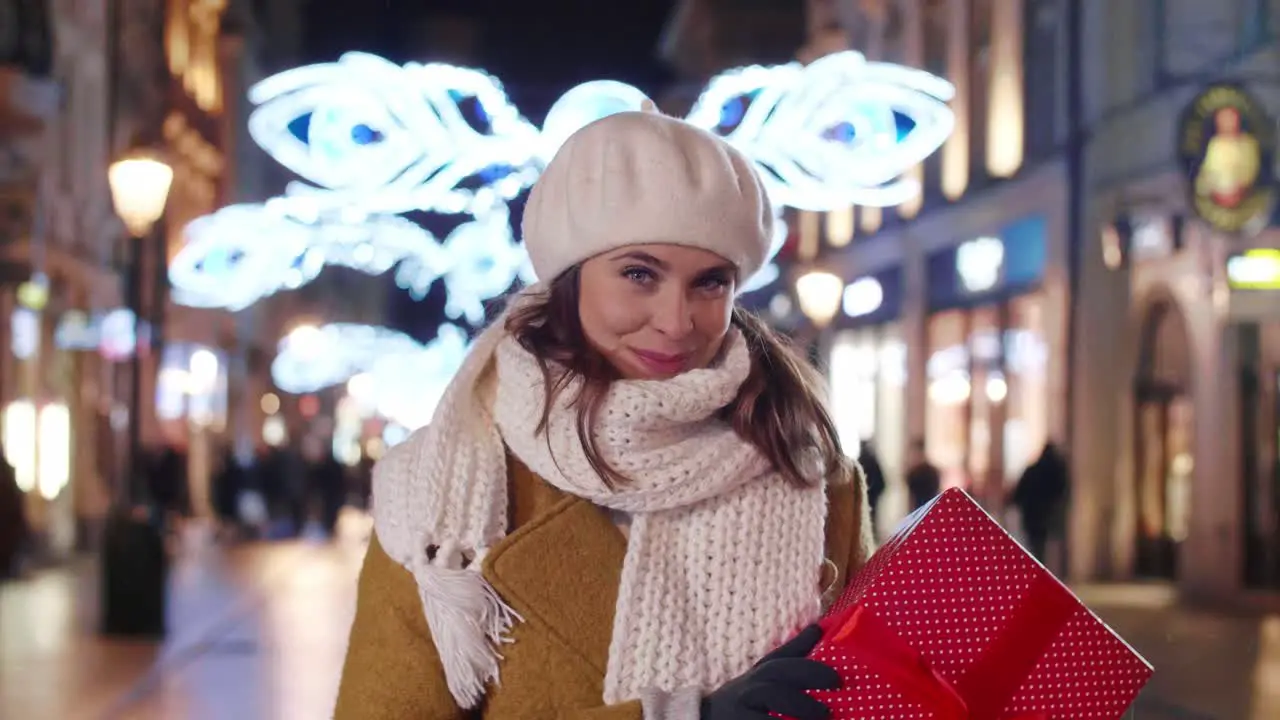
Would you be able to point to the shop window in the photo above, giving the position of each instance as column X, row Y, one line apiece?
column 868, row 397
column 949, row 388
column 1026, row 426
column 988, row 390
column 192, row 384
column 853, row 388
column 987, row 405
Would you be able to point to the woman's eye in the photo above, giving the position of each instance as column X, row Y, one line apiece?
column 713, row 284
column 639, row 275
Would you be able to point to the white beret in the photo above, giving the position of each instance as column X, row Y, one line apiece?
column 636, row 178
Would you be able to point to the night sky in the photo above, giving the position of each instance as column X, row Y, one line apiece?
column 538, row 49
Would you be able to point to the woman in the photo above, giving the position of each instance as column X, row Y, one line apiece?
column 619, row 506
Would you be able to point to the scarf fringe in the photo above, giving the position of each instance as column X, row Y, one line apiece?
column 468, row 621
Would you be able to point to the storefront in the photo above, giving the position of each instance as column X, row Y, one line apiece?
column 986, row 404
column 191, row 407
column 952, row 335
column 56, row 391
column 1178, row 394
column 868, row 376
column 1253, row 278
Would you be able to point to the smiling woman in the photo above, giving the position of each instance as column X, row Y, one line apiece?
column 656, row 310
column 630, row 486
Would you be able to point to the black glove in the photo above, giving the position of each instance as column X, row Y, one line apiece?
column 776, row 684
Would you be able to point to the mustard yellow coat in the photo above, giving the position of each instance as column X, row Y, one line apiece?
column 559, row 569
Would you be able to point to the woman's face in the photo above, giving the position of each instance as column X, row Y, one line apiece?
column 655, row 311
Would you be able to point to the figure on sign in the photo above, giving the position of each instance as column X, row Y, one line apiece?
column 1231, row 161
column 1227, row 147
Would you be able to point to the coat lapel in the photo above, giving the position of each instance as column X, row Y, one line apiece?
column 561, row 572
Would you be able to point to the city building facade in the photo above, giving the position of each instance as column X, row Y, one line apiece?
column 215, row 367
column 953, row 326
column 1060, row 278
column 1175, row 378
column 81, row 85
column 704, row 37
column 59, row 385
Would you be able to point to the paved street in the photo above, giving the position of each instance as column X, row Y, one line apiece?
column 1210, row 665
column 259, row 633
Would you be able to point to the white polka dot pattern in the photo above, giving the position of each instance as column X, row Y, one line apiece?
column 948, row 584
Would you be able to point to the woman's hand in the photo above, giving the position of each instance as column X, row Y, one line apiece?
column 777, row 684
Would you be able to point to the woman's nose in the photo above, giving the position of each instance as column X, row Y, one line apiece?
column 673, row 315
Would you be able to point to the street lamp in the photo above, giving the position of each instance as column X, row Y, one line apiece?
column 139, row 190
column 819, row 294
column 134, row 565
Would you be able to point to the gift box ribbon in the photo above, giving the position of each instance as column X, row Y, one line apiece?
column 988, row 686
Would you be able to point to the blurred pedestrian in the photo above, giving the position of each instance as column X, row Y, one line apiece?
column 327, row 488
column 13, row 522
column 924, row 481
column 875, row 477
column 1039, row 495
column 228, row 484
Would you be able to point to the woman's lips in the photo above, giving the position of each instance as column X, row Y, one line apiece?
column 662, row 363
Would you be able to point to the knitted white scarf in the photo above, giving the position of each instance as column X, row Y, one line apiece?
column 723, row 556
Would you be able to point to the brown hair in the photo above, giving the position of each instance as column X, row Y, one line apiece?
column 779, row 408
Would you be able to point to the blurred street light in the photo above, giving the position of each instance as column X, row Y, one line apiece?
column 820, row 294
column 139, row 190
column 134, row 561
column 203, row 369
column 361, row 388
column 307, row 340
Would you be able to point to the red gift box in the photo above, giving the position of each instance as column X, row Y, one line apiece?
column 953, row 620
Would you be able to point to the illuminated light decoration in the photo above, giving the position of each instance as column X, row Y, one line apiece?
column 484, row 261
column 979, row 263
column 112, row 333
column 583, row 105
column 274, row 431
column 997, row 388
column 226, row 262
column 24, row 333
column 780, row 306
column 19, row 435
column 242, row 253
column 375, row 140
column 401, row 378
column 312, row 358
column 836, row 132
column 394, row 434
column 862, row 297
column 34, row 293
column 1256, row 269
column 235, row 256
column 386, row 138
column 53, row 464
